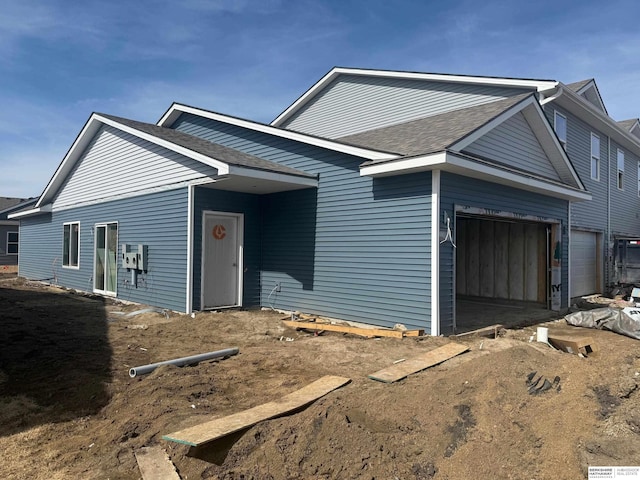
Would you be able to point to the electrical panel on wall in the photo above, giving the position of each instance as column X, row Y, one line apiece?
column 135, row 256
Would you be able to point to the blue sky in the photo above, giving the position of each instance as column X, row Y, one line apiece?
column 62, row 60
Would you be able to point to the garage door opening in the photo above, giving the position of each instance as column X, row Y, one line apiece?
column 586, row 263
column 503, row 271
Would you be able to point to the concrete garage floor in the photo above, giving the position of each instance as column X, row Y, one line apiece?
column 473, row 313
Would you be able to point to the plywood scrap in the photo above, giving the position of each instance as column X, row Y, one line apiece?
column 154, row 464
column 363, row 332
column 214, row 429
column 490, row 331
column 573, row 343
column 412, row 365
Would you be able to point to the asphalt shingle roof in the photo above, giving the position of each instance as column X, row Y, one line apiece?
column 575, row 86
column 218, row 152
column 431, row 134
column 627, row 124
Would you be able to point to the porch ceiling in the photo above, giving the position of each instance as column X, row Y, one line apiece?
column 260, row 182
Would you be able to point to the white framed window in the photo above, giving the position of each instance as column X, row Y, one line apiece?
column 12, row 243
column 560, row 126
column 595, row 157
column 71, row 245
column 620, row 170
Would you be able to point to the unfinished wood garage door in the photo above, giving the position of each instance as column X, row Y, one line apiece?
column 501, row 259
column 584, row 263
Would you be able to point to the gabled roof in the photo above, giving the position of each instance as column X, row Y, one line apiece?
column 589, row 90
column 226, row 160
column 211, row 150
column 533, row 84
column 174, row 112
column 432, row 134
column 11, row 205
column 454, row 131
column 628, row 124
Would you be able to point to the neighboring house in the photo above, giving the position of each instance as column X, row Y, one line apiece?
column 10, row 229
column 377, row 196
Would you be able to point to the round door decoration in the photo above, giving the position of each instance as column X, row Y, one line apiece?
column 219, row 232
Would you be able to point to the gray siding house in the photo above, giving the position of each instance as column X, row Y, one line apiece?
column 10, row 231
column 381, row 197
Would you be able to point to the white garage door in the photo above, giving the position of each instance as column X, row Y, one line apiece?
column 584, row 263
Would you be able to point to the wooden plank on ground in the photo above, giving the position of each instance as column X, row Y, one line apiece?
column 214, row 429
column 491, row 330
column 412, row 365
column 154, row 464
column 329, row 327
column 573, row 343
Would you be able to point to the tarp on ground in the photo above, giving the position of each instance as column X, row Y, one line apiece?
column 625, row 321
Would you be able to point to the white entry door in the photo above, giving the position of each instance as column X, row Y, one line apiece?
column 222, row 260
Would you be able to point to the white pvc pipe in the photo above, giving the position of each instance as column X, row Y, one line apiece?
column 181, row 362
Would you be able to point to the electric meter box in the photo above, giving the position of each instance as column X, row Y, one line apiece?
column 134, row 256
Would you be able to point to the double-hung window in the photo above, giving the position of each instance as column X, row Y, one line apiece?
column 71, row 245
column 620, row 170
column 12, row 243
column 560, row 126
column 595, row 157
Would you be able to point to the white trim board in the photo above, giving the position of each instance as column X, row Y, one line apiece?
column 534, row 85
column 467, row 166
column 176, row 109
column 435, row 253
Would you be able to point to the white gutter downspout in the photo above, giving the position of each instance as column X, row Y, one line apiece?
column 608, row 249
column 189, row 299
column 558, row 93
column 568, row 253
column 435, row 253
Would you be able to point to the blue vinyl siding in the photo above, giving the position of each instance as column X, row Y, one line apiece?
column 513, row 143
column 207, row 199
column 625, row 204
column 355, row 248
column 466, row 191
column 591, row 214
column 353, row 103
column 158, row 220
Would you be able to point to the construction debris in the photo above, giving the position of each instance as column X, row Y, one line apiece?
column 399, row 371
column 318, row 327
column 534, row 389
column 576, row 344
column 181, row 362
column 154, row 464
column 214, row 429
column 625, row 321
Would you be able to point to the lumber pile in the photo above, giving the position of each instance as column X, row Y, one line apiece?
column 315, row 326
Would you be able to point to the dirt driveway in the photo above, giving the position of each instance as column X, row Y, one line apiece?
column 69, row 410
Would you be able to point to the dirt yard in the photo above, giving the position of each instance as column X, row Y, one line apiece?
column 69, row 410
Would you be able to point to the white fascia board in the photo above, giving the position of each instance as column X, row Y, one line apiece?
column 80, row 143
column 174, row 112
column 550, row 141
column 487, row 127
column 592, row 86
column 591, row 115
column 32, row 212
column 512, row 178
column 532, row 109
column 460, row 164
column 538, row 85
column 222, row 167
column 404, row 165
column 273, row 176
